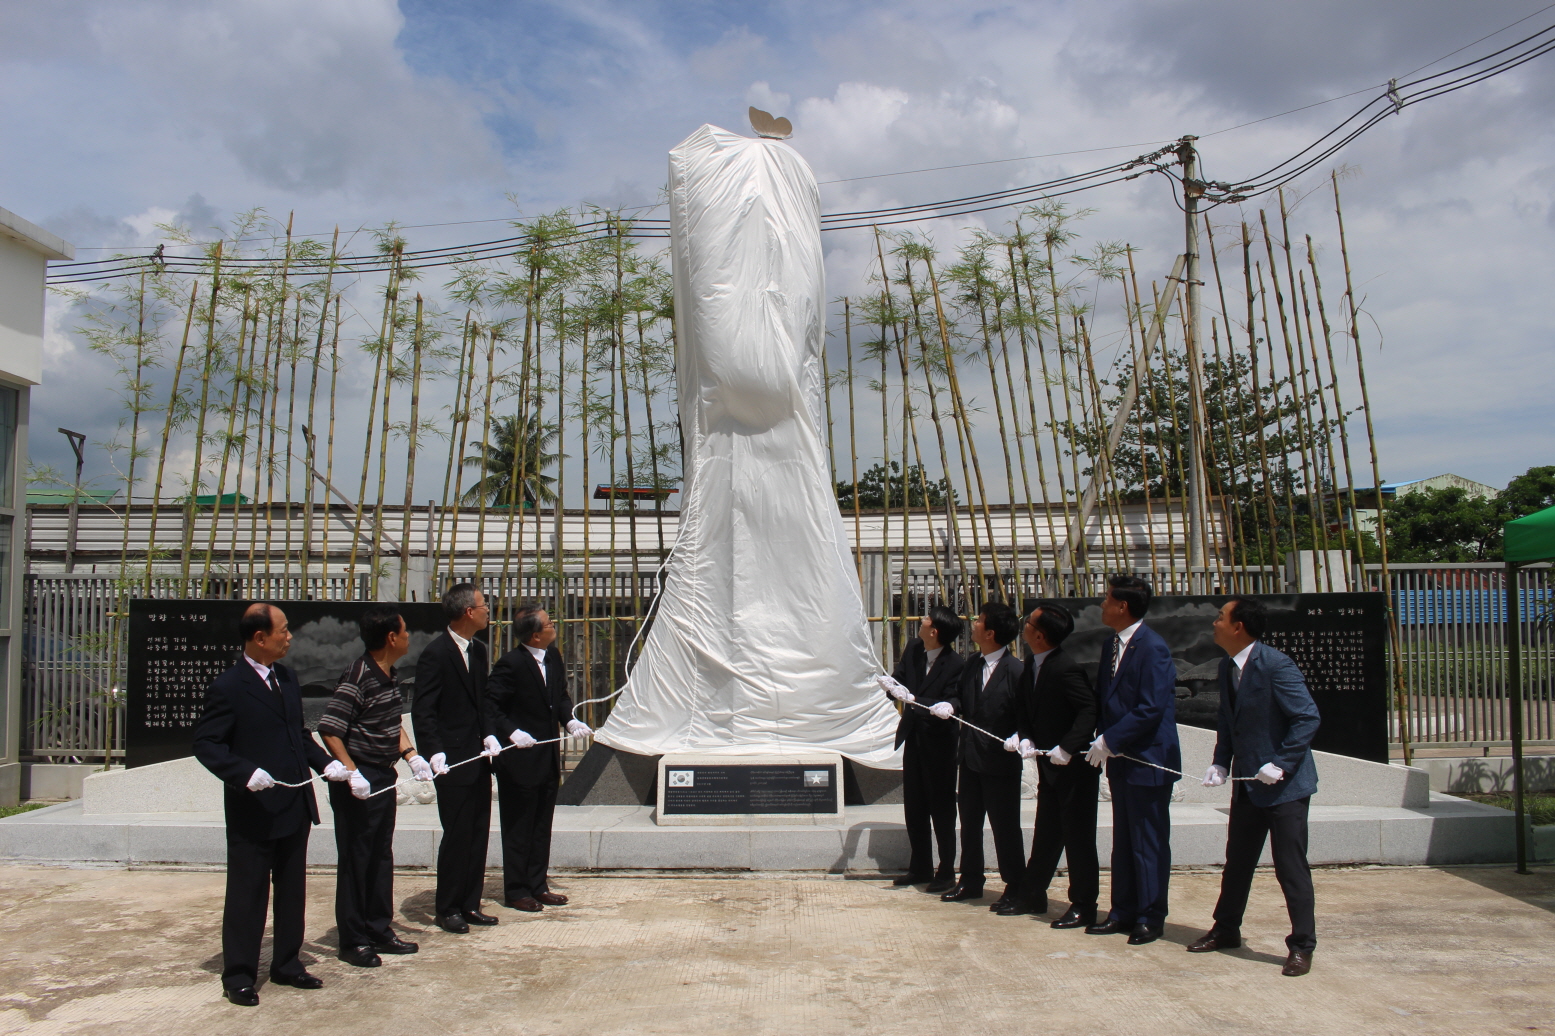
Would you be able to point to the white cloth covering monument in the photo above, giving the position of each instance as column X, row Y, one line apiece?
column 760, row 642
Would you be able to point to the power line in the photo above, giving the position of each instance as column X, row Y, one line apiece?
column 1394, row 100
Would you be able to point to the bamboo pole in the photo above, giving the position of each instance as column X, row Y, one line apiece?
column 329, row 462
column 1401, row 699
column 1341, row 418
column 412, row 435
column 191, row 507
column 167, row 431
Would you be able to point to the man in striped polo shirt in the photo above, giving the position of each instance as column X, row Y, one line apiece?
column 361, row 728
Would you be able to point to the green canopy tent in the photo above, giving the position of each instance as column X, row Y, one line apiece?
column 1528, row 540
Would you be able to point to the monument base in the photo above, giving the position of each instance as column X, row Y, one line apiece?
column 606, row 776
column 739, row 790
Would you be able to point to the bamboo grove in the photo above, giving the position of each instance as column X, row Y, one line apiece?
column 1006, row 418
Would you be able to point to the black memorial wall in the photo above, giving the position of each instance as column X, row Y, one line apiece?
column 1338, row 640
column 177, row 647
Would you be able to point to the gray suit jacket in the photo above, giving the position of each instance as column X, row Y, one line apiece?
column 1269, row 718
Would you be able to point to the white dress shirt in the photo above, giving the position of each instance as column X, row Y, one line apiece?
column 463, row 645
column 262, row 670
column 933, row 654
column 1036, row 660
column 989, row 662
column 1124, row 636
column 1241, row 657
column 539, row 657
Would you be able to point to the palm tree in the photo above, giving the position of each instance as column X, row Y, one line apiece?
column 499, row 467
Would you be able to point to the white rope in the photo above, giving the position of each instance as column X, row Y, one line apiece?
column 1042, row 751
column 652, row 608
column 417, row 780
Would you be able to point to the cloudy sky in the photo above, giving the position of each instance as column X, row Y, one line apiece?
column 119, row 115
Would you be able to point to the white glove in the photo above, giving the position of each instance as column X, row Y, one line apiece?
column 1058, row 757
column 439, row 763
column 1215, row 776
column 419, row 768
column 259, row 781
column 578, row 728
column 521, row 739
column 1268, row 773
column 335, row 771
column 361, row 787
column 1027, row 749
column 491, row 747
column 890, row 685
column 942, row 710
column 1012, row 743
column 1098, row 753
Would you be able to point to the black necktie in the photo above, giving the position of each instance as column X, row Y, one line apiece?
column 1117, row 654
column 275, row 685
column 1236, row 677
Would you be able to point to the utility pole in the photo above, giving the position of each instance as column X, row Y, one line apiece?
column 77, row 442
column 1192, row 191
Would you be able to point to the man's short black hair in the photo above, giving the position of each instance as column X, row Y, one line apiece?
column 1251, row 613
column 1134, row 592
column 526, row 622
column 1001, row 619
column 946, row 623
column 458, row 599
column 1054, row 620
column 257, row 618
column 378, row 623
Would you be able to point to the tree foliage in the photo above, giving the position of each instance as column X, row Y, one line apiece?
column 877, row 489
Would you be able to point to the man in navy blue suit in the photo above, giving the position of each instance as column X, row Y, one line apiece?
column 1136, row 685
column 1265, row 728
column 252, row 737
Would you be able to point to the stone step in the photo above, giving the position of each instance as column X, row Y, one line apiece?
column 869, row 840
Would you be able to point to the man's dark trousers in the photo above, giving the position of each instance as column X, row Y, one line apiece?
column 929, row 802
column 1286, row 826
column 252, row 864
column 364, row 845
column 996, row 796
column 1066, row 824
column 465, row 813
column 1141, row 852
column 526, row 811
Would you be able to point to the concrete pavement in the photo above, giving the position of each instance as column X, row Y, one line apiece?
column 1401, row 950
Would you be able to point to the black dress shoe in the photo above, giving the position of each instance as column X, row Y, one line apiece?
column 1212, row 940
column 1015, row 907
column 1143, row 933
column 1109, row 927
column 939, row 885
column 909, row 879
column 1297, row 964
column 476, row 917
column 454, row 924
column 1074, row 917
column 360, row 956
column 246, row 996
column 394, row 944
column 299, row 981
column 960, row 893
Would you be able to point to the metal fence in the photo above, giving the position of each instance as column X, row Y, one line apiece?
column 1451, row 625
column 1452, row 651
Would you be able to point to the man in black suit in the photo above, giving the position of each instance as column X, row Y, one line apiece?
column 1136, row 686
column 252, row 737
column 1264, row 735
column 929, row 674
column 1058, row 708
column 450, row 717
column 989, row 778
column 526, row 703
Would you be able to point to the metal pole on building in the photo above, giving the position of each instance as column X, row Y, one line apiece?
column 1192, row 190
column 1514, row 665
column 77, row 443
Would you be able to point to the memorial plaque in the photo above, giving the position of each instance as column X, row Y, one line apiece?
column 1338, row 640
column 706, row 786
column 177, row 648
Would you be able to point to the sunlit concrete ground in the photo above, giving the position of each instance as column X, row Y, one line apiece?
column 1462, row 951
